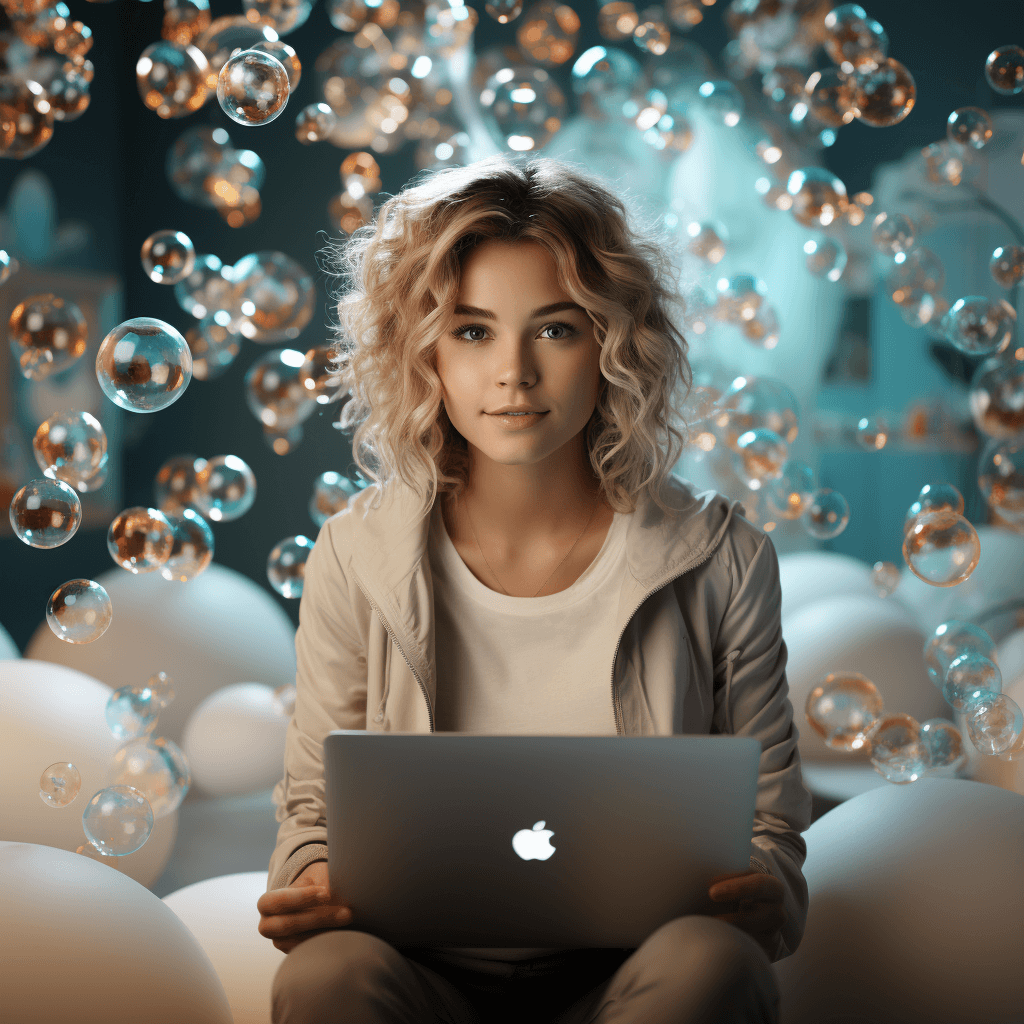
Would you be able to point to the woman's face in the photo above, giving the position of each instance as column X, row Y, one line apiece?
column 509, row 352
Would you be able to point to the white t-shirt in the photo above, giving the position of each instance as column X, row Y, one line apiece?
column 523, row 665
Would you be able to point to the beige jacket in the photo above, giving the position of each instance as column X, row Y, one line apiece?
column 700, row 651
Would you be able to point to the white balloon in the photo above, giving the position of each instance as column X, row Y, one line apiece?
column 221, row 913
column 51, row 713
column 86, row 944
column 8, row 648
column 234, row 741
column 896, row 928
column 809, row 576
column 874, row 636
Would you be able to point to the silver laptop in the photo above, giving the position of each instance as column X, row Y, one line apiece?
column 463, row 839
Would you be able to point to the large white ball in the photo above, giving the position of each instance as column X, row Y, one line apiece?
column 874, row 636
column 217, row 629
column 234, row 741
column 221, row 913
column 811, row 576
column 85, row 943
column 8, row 648
column 52, row 713
column 916, row 903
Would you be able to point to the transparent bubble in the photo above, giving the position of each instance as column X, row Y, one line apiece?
column 196, row 156
column 286, row 55
column 144, row 365
column 997, row 396
column 315, row 123
column 283, row 442
column 70, row 446
column 286, row 565
column 130, row 713
column 942, row 746
column 1004, row 69
column 994, row 723
column 760, row 456
column 185, row 19
column 229, row 34
column 158, row 690
column 30, row 127
column 739, row 297
column 9, row 266
column 59, row 784
column 157, row 768
column 604, row 79
column 331, row 494
column 68, row 90
column 1007, row 265
column 213, row 345
column 969, row 126
column 934, row 498
column 252, row 87
column 979, row 326
column 47, row 335
column 852, row 38
column 319, row 377
column 723, row 101
column 762, row 329
column 284, row 699
column 886, row 578
column 192, row 550
column 226, row 489
column 951, row 639
column 752, row 402
column 174, row 80
column 827, row 514
column 945, row 163
column 897, row 752
column 707, row 241
column 970, row 677
column 784, row 86
column 274, row 390
column 118, row 820
column 1001, row 477
column 168, row 256
column 829, row 96
column 276, row 296
column 789, row 494
column 843, row 709
column 45, row 513
column 918, row 307
column 872, row 433
column 892, row 233
column 210, row 289
column 523, row 107
column 819, row 197
column 942, row 548
column 884, row 93
column 918, row 269
column 79, row 611
column 826, row 257
column 176, row 484
column 140, row 539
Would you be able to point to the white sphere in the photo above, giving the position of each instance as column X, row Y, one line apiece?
column 234, row 741
column 221, row 913
column 811, row 576
column 52, row 713
column 874, row 636
column 217, row 629
column 87, row 944
column 8, row 648
column 915, row 909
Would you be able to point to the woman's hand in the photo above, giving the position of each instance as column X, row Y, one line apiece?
column 757, row 909
column 303, row 909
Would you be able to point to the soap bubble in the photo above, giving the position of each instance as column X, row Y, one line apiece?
column 1001, row 477
column 285, row 441
column 604, row 79
column 707, row 241
column 843, row 709
column 168, row 256
column 789, row 494
column 951, row 639
column 174, row 80
column 79, row 611
column 919, row 269
column 176, row 484
column 946, row 163
column 68, row 91
column 185, row 19
column 229, row 34
column 276, row 296
column 752, row 402
column 143, row 365
column 118, row 820
column 918, row 307
column 784, row 86
column 140, row 539
column 209, row 289
column 31, row 126
column 9, row 266
column 331, row 494
column 943, row 746
column 284, row 15
column 523, row 106
column 997, row 397
column 739, row 297
column 892, row 233
column 978, row 326
column 970, row 677
column 827, row 514
column 47, row 335
column 829, row 96
column 1004, row 69
column 286, row 565
column 59, row 784
column 760, row 456
column 872, row 433
column 70, row 446
column 851, row 38
column 883, row 93
column 158, row 690
column 286, row 55
column 826, row 258
column 192, row 550
column 885, row 577
column 723, row 101
column 762, row 328
column 157, row 768
column 994, row 722
column 274, row 392
column 942, row 548
column 315, row 123
column 252, row 87
column 45, row 513
column 226, row 488
column 213, row 345
column 969, row 127
column 1007, row 265
column 896, row 749
column 934, row 498
column 319, row 375
column 819, row 197
column 130, row 714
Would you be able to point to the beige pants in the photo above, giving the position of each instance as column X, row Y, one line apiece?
column 691, row 970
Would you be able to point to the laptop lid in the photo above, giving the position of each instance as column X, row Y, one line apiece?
column 462, row 839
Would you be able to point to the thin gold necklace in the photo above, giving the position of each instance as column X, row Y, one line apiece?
column 553, row 571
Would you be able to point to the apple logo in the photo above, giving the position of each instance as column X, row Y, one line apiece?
column 535, row 843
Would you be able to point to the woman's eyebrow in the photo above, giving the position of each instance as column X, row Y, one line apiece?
column 487, row 314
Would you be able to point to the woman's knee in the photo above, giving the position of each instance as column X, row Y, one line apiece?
column 334, row 962
column 714, row 945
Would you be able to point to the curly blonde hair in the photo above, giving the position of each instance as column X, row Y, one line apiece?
column 402, row 273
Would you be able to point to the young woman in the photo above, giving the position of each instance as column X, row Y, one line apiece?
column 544, row 573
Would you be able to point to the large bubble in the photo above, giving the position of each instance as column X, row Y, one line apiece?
column 942, row 548
column 1001, row 477
column 253, row 87
column 45, row 513
column 275, row 296
column 71, row 446
column 118, row 820
column 47, row 334
column 143, row 365
column 79, row 611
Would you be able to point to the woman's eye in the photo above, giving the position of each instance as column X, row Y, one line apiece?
column 569, row 330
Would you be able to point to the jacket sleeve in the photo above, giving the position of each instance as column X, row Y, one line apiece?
column 752, row 699
column 330, row 693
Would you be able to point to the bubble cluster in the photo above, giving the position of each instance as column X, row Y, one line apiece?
column 951, row 639
column 156, row 768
